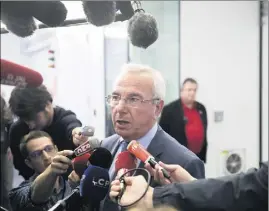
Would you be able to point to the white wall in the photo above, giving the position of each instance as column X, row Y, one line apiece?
column 219, row 47
column 77, row 82
column 265, row 90
column 163, row 55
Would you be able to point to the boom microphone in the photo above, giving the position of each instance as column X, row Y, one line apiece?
column 51, row 13
column 16, row 75
column 126, row 10
column 142, row 28
column 142, row 154
column 16, row 17
column 100, row 13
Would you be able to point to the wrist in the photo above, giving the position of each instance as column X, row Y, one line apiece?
column 148, row 199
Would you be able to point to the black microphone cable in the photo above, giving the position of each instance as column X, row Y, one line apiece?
column 123, row 185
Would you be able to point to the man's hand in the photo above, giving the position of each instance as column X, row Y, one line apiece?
column 73, row 179
column 60, row 163
column 135, row 187
column 78, row 139
column 177, row 173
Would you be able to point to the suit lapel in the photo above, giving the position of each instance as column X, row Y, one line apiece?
column 156, row 145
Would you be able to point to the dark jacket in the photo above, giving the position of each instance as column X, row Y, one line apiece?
column 173, row 122
column 163, row 148
column 243, row 192
column 64, row 121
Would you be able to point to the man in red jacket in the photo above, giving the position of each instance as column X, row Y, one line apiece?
column 185, row 119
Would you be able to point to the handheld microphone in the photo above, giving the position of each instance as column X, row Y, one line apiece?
column 124, row 161
column 101, row 157
column 15, row 15
column 63, row 203
column 51, row 13
column 142, row 154
column 16, row 75
column 94, row 185
column 142, row 28
column 100, row 13
column 87, row 131
column 86, row 147
column 81, row 163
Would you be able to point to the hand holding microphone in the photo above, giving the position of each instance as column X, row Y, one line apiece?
column 81, row 134
column 138, row 151
column 176, row 172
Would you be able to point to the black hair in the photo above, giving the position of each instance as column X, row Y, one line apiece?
column 30, row 136
column 27, row 102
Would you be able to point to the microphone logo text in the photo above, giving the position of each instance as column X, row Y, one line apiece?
column 102, row 183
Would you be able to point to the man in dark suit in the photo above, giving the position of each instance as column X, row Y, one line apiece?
column 185, row 120
column 136, row 103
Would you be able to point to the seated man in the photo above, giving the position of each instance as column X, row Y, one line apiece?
column 35, row 110
column 47, row 185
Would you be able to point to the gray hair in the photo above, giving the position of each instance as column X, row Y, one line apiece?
column 159, row 88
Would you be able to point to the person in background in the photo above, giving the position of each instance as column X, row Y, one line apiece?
column 6, row 156
column 240, row 192
column 136, row 103
column 34, row 108
column 185, row 119
column 47, row 185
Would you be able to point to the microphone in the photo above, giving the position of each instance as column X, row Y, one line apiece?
column 126, row 10
column 81, row 163
column 94, row 185
column 16, row 75
column 101, row 157
column 142, row 28
column 87, row 146
column 142, row 154
column 125, row 161
column 98, row 157
column 15, row 15
column 51, row 13
column 87, row 131
column 100, row 13
column 63, row 203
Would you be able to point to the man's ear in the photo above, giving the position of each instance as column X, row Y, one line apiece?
column 28, row 163
column 159, row 108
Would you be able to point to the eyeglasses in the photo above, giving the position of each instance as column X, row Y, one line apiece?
column 38, row 153
column 113, row 100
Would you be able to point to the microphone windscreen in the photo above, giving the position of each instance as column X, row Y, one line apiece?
column 142, row 29
column 125, row 160
column 80, row 163
column 94, row 184
column 16, row 75
column 138, row 151
column 51, row 13
column 125, row 8
column 100, row 13
column 101, row 157
column 87, row 131
column 15, row 16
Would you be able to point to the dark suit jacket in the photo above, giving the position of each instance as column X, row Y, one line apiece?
column 243, row 192
column 164, row 148
column 173, row 122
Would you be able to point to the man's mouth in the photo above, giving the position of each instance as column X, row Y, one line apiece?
column 122, row 122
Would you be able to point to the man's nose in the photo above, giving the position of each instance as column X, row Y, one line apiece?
column 45, row 155
column 121, row 105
